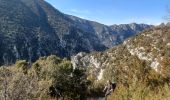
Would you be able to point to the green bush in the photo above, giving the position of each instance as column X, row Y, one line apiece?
column 23, row 81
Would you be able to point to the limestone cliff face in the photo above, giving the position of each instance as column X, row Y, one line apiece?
column 150, row 48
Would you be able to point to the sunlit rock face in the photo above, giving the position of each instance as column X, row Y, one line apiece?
column 149, row 49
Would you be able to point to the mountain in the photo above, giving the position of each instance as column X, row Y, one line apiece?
column 127, row 30
column 149, row 50
column 30, row 29
column 110, row 35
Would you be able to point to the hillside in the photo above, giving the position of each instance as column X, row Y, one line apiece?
column 140, row 66
column 30, row 29
column 151, row 46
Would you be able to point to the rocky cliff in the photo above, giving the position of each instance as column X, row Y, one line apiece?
column 149, row 49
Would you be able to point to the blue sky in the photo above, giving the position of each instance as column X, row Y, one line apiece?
column 115, row 11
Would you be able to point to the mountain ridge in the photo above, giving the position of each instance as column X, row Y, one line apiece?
column 32, row 29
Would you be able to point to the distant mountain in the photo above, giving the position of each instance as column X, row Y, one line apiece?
column 127, row 30
column 30, row 29
column 110, row 35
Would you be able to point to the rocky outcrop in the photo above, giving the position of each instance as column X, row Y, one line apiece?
column 150, row 48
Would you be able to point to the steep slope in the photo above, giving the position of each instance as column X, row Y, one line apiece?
column 30, row 29
column 149, row 49
column 110, row 35
column 33, row 28
column 127, row 30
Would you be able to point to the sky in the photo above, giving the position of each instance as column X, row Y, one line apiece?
column 111, row 12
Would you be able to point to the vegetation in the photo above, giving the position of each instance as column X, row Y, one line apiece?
column 21, row 81
column 141, row 83
column 135, row 75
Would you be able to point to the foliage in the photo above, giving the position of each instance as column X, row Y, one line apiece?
column 142, row 83
column 21, row 81
column 22, row 65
